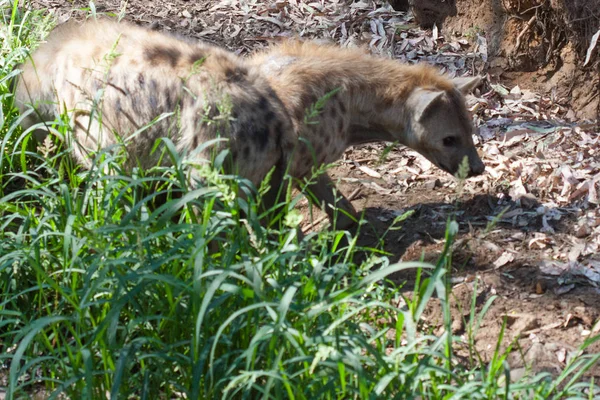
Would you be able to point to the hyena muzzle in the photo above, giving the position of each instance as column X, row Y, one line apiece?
column 119, row 83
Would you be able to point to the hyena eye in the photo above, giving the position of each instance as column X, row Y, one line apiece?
column 450, row 141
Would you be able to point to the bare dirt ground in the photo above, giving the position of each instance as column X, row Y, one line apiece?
column 540, row 257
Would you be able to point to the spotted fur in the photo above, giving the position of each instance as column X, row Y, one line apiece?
column 114, row 79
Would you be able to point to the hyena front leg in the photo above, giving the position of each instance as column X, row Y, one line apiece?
column 338, row 208
column 276, row 193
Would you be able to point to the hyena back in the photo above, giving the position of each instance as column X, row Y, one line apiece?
column 375, row 99
column 114, row 80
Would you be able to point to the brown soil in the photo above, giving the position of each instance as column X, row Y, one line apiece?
column 550, row 315
column 538, row 45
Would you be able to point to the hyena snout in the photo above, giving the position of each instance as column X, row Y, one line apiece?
column 452, row 164
column 476, row 166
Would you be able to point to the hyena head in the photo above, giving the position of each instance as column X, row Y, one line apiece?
column 441, row 129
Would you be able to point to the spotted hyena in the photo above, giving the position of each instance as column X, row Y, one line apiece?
column 368, row 99
column 119, row 83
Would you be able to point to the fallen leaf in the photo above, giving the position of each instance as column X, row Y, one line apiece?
column 504, row 259
column 371, row 172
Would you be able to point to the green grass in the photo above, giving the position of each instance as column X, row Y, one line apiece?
column 103, row 295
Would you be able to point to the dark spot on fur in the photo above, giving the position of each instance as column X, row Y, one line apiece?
column 327, row 140
column 342, row 107
column 153, row 85
column 141, row 80
column 118, row 105
column 246, row 152
column 196, row 56
column 307, row 101
column 274, row 99
column 389, row 102
column 195, row 142
column 278, row 127
column 135, row 107
column 332, row 111
column 249, row 125
column 261, row 137
column 153, row 102
column 160, row 54
column 263, row 103
column 169, row 100
column 235, row 74
column 269, row 117
column 272, row 95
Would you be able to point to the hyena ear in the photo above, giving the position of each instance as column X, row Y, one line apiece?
column 467, row 84
column 421, row 101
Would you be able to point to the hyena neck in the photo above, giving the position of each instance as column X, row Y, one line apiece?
column 371, row 121
column 373, row 113
column 372, row 93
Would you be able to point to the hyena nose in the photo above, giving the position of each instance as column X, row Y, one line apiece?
column 477, row 167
